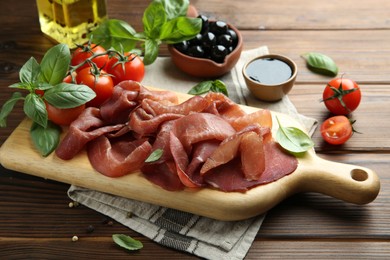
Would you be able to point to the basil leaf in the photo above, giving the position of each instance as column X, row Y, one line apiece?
column 320, row 63
column 116, row 34
column 8, row 106
column 67, row 95
column 29, row 71
column 153, row 19
column 154, row 156
column 180, row 29
column 151, row 51
column 55, row 64
column 293, row 139
column 21, row 85
column 210, row 85
column 45, row 139
column 175, row 8
column 219, row 87
column 127, row 242
column 35, row 109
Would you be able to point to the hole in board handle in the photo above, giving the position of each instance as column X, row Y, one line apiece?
column 359, row 175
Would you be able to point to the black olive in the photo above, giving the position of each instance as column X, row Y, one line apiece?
column 218, row 27
column 218, row 53
column 225, row 40
column 209, row 39
column 182, row 46
column 196, row 51
column 197, row 40
column 205, row 23
column 234, row 36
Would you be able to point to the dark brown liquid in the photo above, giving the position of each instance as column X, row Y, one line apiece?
column 269, row 71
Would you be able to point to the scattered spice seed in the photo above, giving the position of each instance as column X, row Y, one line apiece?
column 75, row 238
column 129, row 214
column 90, row 229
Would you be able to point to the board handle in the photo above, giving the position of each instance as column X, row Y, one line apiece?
column 350, row 183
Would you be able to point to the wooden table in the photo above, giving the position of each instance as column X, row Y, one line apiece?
column 36, row 221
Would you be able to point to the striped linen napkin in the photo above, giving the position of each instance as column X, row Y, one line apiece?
column 201, row 236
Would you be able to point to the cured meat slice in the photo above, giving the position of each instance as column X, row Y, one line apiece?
column 115, row 158
column 121, row 103
column 192, row 105
column 143, row 123
column 247, row 145
column 199, row 127
column 85, row 128
column 229, row 177
column 261, row 117
column 224, row 106
column 163, row 171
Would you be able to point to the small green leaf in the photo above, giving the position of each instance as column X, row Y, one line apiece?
column 116, row 34
column 154, row 156
column 55, row 64
column 35, row 109
column 180, row 29
column 293, row 139
column 29, row 71
column 209, row 85
column 151, row 51
column 67, row 95
column 45, row 139
column 176, row 8
column 153, row 19
column 320, row 63
column 127, row 242
column 8, row 106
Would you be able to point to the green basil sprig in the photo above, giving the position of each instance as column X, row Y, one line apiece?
column 293, row 139
column 47, row 76
column 209, row 85
column 164, row 21
column 320, row 63
column 127, row 242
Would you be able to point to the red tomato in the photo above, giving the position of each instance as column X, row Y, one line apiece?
column 341, row 96
column 336, row 130
column 131, row 69
column 102, row 85
column 81, row 54
column 63, row 116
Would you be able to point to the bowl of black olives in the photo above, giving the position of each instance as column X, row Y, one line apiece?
column 212, row 53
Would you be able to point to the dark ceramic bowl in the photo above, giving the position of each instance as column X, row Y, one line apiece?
column 206, row 68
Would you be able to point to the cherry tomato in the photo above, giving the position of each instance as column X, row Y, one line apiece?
column 102, row 85
column 131, row 69
column 336, row 130
column 63, row 116
column 83, row 53
column 341, row 96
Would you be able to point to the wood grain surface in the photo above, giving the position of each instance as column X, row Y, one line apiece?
column 36, row 222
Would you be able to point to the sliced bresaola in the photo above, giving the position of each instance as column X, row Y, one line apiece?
column 86, row 127
column 192, row 105
column 116, row 157
column 229, row 177
column 162, row 172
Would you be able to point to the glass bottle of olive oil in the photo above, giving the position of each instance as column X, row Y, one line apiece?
column 69, row 21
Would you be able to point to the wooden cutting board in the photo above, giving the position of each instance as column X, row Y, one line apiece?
column 349, row 183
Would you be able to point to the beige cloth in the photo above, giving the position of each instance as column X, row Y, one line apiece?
column 201, row 236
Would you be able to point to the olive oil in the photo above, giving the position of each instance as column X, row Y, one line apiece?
column 69, row 21
column 269, row 71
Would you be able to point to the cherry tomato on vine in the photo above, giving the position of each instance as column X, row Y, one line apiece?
column 132, row 68
column 63, row 116
column 336, row 130
column 85, row 52
column 101, row 83
column 341, row 96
